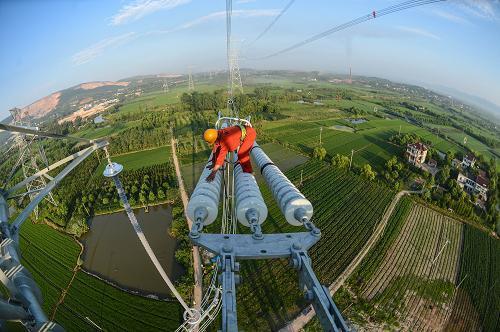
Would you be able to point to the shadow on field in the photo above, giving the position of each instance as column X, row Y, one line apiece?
column 305, row 148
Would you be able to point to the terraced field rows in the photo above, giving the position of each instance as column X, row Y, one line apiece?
column 428, row 244
column 411, row 274
column 51, row 256
column 347, row 209
column 477, row 304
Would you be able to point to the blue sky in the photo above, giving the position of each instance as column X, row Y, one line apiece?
column 50, row 45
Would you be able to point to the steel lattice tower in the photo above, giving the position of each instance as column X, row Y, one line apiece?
column 190, row 81
column 234, row 66
column 30, row 154
column 165, row 86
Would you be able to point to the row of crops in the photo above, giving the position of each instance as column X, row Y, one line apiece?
column 51, row 257
column 415, row 280
column 370, row 140
column 477, row 306
column 347, row 209
column 427, row 272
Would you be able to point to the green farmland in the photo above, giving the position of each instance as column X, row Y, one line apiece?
column 369, row 141
column 139, row 159
column 52, row 258
column 269, row 295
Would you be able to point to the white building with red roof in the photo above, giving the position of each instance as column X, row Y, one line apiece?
column 416, row 153
column 477, row 185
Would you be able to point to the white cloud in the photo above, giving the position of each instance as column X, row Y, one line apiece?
column 222, row 15
column 485, row 9
column 419, row 32
column 141, row 8
column 450, row 17
column 98, row 48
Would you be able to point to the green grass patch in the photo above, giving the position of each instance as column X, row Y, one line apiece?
column 139, row 159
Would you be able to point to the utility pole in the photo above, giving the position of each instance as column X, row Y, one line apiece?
column 301, row 173
column 399, row 132
column 320, row 132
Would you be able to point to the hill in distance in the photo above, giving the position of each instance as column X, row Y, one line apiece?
column 87, row 99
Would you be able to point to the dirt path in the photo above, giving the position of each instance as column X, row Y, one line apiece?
column 65, row 290
column 198, row 270
column 300, row 321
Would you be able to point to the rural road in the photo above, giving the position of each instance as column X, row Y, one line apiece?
column 198, row 270
column 300, row 321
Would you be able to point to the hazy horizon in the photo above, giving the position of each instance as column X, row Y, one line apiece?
column 452, row 44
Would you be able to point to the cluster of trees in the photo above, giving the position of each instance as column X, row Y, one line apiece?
column 82, row 194
column 69, row 212
column 143, row 186
column 394, row 173
column 404, row 139
column 153, row 130
column 356, row 112
column 340, row 161
column 184, row 252
column 343, row 162
column 319, row 153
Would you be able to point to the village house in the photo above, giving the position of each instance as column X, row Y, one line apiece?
column 469, row 160
column 416, row 153
column 477, row 185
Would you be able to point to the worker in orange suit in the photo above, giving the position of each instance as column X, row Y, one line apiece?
column 236, row 138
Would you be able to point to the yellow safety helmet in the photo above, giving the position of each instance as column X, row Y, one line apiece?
column 210, row 136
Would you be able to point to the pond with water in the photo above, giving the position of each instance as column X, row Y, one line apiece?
column 113, row 251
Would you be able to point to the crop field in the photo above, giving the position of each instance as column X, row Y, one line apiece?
column 369, row 142
column 139, row 159
column 109, row 130
column 160, row 98
column 112, row 309
column 472, row 143
column 428, row 272
column 51, row 257
column 347, row 209
column 51, row 266
column 415, row 280
column 477, row 303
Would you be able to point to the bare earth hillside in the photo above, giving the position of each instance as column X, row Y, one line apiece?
column 93, row 85
column 42, row 106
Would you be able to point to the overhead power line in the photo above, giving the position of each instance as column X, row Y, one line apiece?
column 273, row 22
column 374, row 14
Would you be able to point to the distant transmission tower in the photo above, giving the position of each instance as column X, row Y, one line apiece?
column 190, row 81
column 30, row 154
column 350, row 76
column 165, row 86
column 235, row 70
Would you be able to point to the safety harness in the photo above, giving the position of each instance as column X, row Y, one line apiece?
column 243, row 132
column 243, row 136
